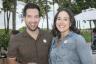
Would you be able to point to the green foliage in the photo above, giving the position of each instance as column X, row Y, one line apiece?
column 83, row 4
column 22, row 29
column 43, row 7
column 78, row 6
column 63, row 3
column 87, row 35
column 7, row 5
column 4, row 39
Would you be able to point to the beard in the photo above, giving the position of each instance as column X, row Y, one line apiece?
column 34, row 29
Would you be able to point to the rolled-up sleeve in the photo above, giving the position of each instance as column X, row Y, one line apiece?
column 84, row 51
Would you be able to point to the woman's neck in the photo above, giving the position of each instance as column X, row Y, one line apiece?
column 64, row 34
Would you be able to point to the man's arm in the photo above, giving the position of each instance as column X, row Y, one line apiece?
column 12, row 51
column 11, row 60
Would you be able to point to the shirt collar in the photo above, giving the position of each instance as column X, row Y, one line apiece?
column 27, row 35
column 70, row 34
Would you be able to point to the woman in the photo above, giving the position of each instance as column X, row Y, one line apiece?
column 68, row 47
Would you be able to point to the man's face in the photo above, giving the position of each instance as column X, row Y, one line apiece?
column 32, row 19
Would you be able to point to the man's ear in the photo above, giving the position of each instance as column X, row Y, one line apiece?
column 23, row 18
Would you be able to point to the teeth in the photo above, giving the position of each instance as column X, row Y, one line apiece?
column 61, row 26
column 32, row 24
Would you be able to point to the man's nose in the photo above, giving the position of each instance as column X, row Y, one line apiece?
column 33, row 19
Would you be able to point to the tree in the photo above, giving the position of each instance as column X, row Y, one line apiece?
column 62, row 3
column 4, row 37
column 46, row 15
column 7, row 12
column 14, row 14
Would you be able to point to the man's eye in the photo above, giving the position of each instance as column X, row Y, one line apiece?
column 58, row 18
column 29, row 16
column 36, row 16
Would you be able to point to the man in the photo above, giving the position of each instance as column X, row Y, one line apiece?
column 31, row 46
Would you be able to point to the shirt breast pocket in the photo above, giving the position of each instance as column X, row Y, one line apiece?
column 44, row 47
column 69, row 46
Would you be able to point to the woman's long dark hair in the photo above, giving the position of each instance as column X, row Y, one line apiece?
column 73, row 28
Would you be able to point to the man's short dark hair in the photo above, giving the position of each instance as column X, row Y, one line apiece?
column 30, row 6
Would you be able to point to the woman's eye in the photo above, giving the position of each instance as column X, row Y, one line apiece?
column 65, row 19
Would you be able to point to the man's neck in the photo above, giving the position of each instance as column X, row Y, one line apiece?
column 33, row 34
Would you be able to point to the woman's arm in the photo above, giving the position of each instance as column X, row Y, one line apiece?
column 84, row 51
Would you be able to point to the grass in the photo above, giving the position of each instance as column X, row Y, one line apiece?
column 87, row 35
column 1, row 31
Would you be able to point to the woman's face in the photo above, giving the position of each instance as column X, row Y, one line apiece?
column 63, row 22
